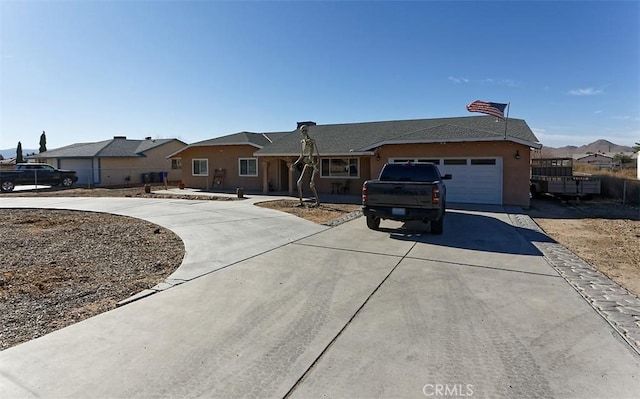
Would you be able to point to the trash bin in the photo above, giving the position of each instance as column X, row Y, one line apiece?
column 153, row 177
column 163, row 176
column 146, row 178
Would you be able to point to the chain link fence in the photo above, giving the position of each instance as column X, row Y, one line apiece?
column 106, row 177
column 103, row 177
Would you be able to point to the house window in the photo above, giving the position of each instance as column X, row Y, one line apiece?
column 433, row 161
column 483, row 161
column 176, row 163
column 201, row 167
column 455, row 161
column 248, row 167
column 340, row 167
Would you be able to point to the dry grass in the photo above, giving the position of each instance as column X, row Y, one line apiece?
column 626, row 173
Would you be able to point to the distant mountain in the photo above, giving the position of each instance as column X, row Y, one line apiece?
column 11, row 152
column 603, row 146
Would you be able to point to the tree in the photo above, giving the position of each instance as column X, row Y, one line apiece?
column 1, row 157
column 19, row 158
column 43, row 142
column 621, row 158
column 636, row 147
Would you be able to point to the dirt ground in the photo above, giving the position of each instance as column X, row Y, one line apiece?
column 321, row 214
column 64, row 266
column 605, row 234
column 59, row 267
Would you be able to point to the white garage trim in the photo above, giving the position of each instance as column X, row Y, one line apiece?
column 475, row 180
column 88, row 175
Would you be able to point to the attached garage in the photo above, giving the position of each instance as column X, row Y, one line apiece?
column 84, row 169
column 476, row 180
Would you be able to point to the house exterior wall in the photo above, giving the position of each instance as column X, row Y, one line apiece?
column 515, row 175
column 116, row 170
column 8, row 164
column 276, row 174
column 225, row 157
column 272, row 171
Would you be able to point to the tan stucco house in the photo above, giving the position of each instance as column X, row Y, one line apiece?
column 118, row 161
column 488, row 166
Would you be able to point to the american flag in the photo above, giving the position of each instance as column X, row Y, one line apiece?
column 495, row 109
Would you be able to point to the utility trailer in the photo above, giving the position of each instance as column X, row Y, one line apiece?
column 555, row 176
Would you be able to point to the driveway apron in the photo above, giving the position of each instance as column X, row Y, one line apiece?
column 340, row 312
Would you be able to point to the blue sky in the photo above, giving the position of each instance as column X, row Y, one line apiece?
column 86, row 71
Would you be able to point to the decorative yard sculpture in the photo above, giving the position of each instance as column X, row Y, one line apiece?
column 309, row 155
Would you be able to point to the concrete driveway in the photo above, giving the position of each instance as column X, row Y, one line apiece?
column 344, row 312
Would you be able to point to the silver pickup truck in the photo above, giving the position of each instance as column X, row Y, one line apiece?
column 405, row 192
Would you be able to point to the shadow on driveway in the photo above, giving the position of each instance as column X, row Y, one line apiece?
column 473, row 232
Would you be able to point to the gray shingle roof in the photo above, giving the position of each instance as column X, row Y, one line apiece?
column 366, row 136
column 116, row 147
column 258, row 140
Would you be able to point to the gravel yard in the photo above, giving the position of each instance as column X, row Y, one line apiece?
column 60, row 267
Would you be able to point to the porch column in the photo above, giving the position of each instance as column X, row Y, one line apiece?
column 265, row 177
column 289, row 165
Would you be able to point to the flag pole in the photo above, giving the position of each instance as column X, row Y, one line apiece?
column 506, row 120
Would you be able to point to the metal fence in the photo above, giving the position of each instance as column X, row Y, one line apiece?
column 627, row 191
column 114, row 177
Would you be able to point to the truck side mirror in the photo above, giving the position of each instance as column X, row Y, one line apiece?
column 447, row 176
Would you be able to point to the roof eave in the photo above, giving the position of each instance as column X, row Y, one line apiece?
column 324, row 154
column 456, row 140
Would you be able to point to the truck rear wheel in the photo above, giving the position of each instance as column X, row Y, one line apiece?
column 437, row 226
column 7, row 186
column 373, row 222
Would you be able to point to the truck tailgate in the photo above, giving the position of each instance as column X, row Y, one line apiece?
column 399, row 194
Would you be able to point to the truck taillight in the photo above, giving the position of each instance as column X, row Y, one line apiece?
column 435, row 195
column 364, row 193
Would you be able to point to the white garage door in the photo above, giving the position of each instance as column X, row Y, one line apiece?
column 83, row 168
column 474, row 180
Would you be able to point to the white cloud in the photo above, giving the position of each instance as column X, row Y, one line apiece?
column 487, row 81
column 589, row 91
column 458, row 80
column 510, row 83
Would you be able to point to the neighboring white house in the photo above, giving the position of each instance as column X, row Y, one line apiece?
column 603, row 160
column 600, row 159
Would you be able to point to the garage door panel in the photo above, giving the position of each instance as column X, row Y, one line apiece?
column 83, row 168
column 474, row 180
